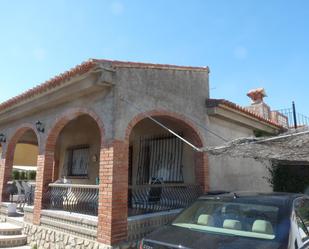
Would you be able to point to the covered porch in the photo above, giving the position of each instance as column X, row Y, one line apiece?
column 164, row 176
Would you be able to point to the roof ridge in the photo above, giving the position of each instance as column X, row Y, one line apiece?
column 117, row 63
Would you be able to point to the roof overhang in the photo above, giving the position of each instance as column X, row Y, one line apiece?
column 239, row 117
column 98, row 79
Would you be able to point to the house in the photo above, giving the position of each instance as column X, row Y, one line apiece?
column 285, row 156
column 109, row 166
column 232, row 122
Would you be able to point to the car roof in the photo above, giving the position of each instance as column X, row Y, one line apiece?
column 276, row 198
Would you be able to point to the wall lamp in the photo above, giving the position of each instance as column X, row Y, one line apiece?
column 39, row 126
column 2, row 138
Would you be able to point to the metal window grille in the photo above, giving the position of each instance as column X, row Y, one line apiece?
column 78, row 161
column 160, row 157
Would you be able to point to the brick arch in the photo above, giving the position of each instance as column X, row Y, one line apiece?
column 8, row 157
column 64, row 119
column 197, row 137
column 20, row 131
column 201, row 158
column 46, row 162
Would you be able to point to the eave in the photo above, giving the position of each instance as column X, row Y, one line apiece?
column 239, row 117
column 71, row 88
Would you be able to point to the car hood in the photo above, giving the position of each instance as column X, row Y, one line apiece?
column 177, row 237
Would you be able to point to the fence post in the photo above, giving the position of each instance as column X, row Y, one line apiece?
column 294, row 115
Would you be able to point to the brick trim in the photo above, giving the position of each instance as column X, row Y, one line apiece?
column 164, row 113
column 8, row 158
column 201, row 158
column 113, row 200
column 64, row 119
column 46, row 161
column 113, row 208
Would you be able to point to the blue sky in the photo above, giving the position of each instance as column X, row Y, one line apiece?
column 246, row 43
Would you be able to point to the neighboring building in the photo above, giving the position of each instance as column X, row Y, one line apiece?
column 285, row 156
column 92, row 126
column 232, row 121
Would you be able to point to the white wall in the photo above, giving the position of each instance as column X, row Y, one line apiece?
column 234, row 174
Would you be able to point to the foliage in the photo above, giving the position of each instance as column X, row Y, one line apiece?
column 289, row 178
column 31, row 175
column 22, row 175
column 16, row 175
column 259, row 133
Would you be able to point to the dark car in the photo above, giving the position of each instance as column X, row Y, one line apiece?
column 238, row 221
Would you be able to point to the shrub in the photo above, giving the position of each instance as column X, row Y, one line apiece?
column 23, row 175
column 16, row 175
column 289, row 178
column 32, row 175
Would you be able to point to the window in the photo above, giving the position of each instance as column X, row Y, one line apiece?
column 231, row 217
column 301, row 207
column 160, row 157
column 78, row 160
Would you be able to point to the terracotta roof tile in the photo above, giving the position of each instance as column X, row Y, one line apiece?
column 49, row 84
column 216, row 102
column 83, row 68
column 116, row 63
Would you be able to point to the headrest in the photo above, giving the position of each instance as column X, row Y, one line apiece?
column 232, row 224
column 262, row 226
column 205, row 220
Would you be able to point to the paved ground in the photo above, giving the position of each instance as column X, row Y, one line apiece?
column 20, row 247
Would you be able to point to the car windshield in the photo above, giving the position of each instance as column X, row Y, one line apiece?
column 230, row 217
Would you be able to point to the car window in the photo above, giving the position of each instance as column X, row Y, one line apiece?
column 230, row 218
column 301, row 207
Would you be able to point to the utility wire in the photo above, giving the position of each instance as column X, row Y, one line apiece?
column 193, row 120
column 162, row 125
column 210, row 148
column 251, row 140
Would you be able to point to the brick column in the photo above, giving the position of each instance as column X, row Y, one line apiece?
column 2, row 172
column 43, row 178
column 113, row 199
column 202, row 170
column 6, row 175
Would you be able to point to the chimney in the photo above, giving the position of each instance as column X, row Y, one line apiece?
column 261, row 108
column 257, row 95
column 258, row 105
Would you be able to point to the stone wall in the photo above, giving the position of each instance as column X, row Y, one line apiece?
column 68, row 231
column 46, row 238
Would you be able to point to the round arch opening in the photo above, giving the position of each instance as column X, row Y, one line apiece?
column 164, row 172
column 21, row 167
column 71, row 164
column 77, row 151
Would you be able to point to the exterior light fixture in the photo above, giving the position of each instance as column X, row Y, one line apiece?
column 39, row 126
column 2, row 138
column 95, row 158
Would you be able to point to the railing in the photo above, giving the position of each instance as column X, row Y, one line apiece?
column 142, row 199
column 161, row 197
column 75, row 198
column 30, row 200
column 20, row 192
column 295, row 119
